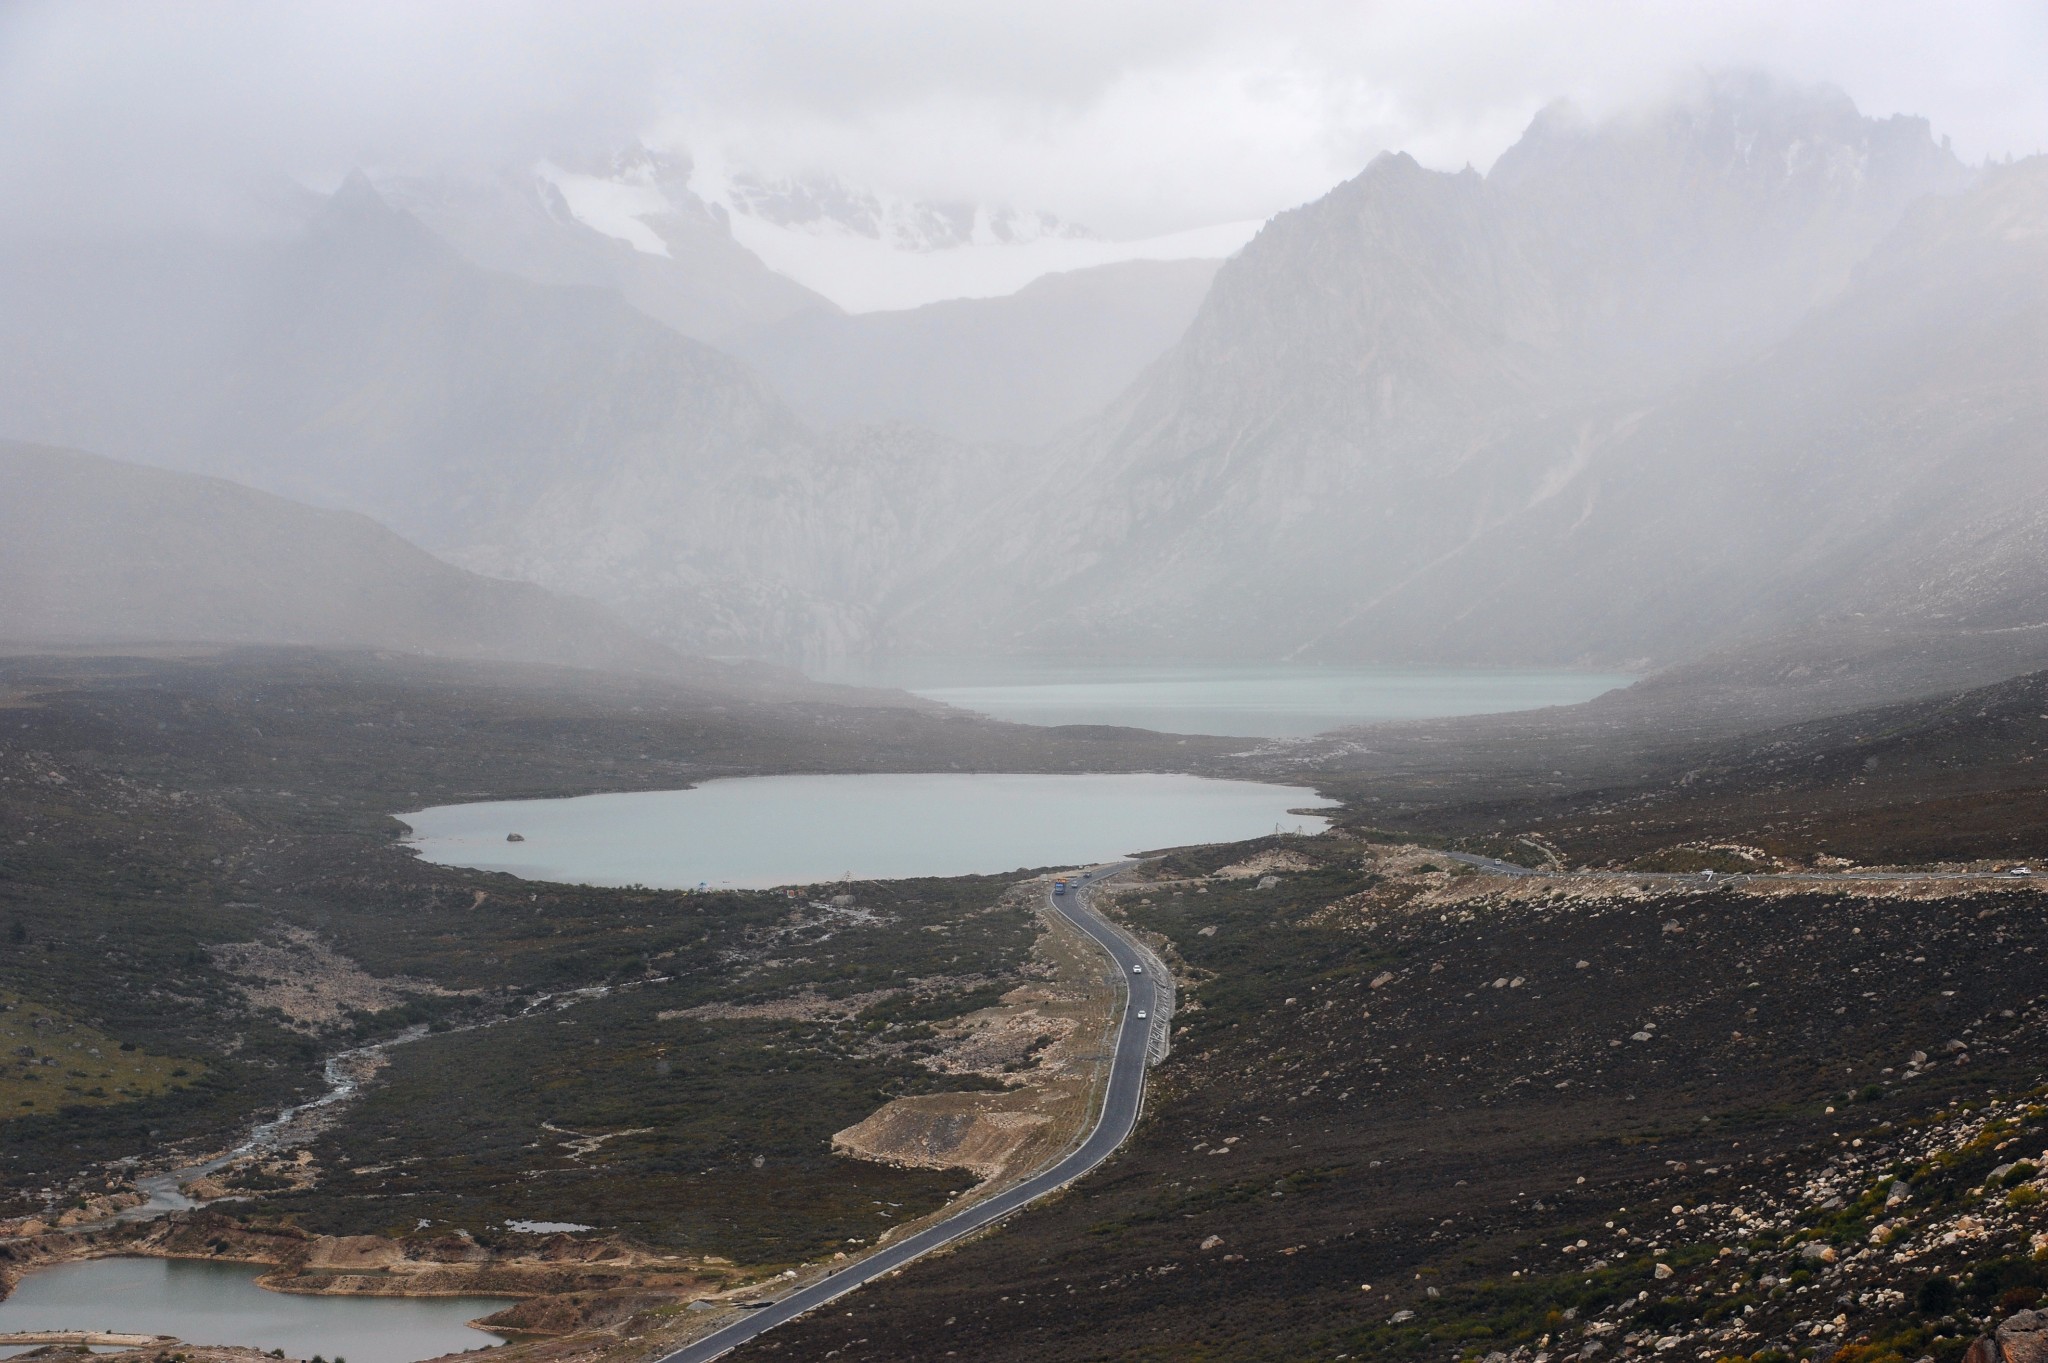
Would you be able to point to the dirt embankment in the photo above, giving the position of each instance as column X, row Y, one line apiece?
column 939, row 1132
column 565, row 1282
column 160, row 1351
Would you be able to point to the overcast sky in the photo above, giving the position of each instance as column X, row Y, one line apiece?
column 1133, row 117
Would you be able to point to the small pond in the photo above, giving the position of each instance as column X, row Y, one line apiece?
column 760, row 831
column 208, row 1303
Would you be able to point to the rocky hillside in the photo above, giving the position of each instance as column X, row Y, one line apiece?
column 1880, row 463
column 1425, row 372
column 1416, row 1114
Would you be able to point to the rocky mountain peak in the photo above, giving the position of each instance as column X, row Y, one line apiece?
column 357, row 217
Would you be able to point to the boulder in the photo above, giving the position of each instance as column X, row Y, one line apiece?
column 2023, row 1338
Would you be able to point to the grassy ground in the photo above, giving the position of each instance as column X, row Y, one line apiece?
column 50, row 1060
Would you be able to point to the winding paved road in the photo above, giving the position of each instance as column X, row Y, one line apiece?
column 1119, row 1114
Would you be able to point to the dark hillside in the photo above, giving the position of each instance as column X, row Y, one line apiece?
column 98, row 551
column 1952, row 779
column 1501, row 1109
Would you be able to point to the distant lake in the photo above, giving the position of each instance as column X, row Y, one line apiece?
column 759, row 831
column 208, row 1303
column 1254, row 701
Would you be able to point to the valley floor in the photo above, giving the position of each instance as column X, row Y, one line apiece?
column 1414, row 1108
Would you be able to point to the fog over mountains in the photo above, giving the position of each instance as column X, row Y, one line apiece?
column 1017, row 369
column 1747, row 364
column 1421, row 366
column 95, row 551
column 685, row 269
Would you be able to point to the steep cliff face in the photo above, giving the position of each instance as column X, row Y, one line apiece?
column 1880, row 468
column 1387, row 379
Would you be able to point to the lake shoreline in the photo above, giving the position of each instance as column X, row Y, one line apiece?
column 798, row 832
column 293, row 1262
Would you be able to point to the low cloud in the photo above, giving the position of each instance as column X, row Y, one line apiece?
column 1136, row 118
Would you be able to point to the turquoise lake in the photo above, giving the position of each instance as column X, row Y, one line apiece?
column 760, row 831
column 1275, row 701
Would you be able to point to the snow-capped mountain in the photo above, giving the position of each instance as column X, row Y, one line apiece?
column 634, row 227
column 824, row 206
column 864, row 249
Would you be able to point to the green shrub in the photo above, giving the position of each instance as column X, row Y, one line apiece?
column 1937, row 1297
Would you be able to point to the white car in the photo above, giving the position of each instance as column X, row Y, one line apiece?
column 2022, row 870
column 1137, row 970
column 1141, row 1013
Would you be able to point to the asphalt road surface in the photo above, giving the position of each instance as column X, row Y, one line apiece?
column 1113, row 1126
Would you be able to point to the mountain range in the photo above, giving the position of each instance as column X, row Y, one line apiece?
column 1745, row 367
column 1402, row 420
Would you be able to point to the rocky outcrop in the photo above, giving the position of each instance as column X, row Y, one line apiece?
column 2022, row 1338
